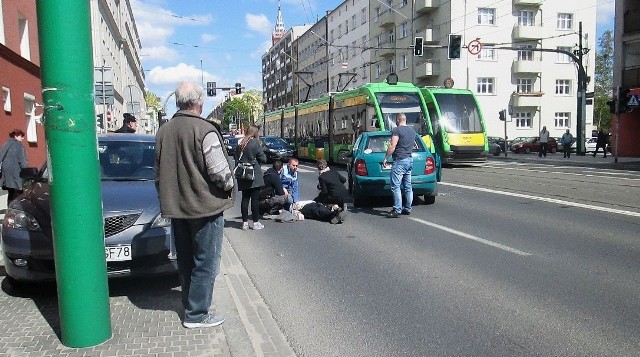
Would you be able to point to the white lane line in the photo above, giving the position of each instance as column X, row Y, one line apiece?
column 600, row 175
column 471, row 237
column 545, row 199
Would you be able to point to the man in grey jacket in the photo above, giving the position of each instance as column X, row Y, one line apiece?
column 195, row 186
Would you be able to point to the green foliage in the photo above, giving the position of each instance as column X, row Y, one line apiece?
column 153, row 101
column 603, row 80
column 248, row 108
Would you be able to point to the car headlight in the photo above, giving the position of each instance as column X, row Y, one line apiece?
column 160, row 221
column 18, row 219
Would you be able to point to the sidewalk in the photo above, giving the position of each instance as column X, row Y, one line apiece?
column 624, row 163
column 145, row 318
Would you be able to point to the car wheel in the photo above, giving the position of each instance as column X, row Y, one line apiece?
column 429, row 200
column 553, row 150
column 496, row 152
column 527, row 150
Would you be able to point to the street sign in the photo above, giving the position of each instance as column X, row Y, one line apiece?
column 634, row 101
column 474, row 47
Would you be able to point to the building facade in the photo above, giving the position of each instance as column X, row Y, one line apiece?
column 626, row 74
column 20, row 82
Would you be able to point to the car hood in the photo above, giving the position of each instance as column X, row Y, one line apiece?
column 117, row 197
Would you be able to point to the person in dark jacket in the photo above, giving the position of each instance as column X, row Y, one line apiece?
column 601, row 142
column 333, row 193
column 273, row 196
column 250, row 151
column 13, row 158
column 129, row 124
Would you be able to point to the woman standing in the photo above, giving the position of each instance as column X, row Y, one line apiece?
column 250, row 151
column 13, row 158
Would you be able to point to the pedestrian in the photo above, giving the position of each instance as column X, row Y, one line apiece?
column 129, row 124
column 273, row 197
column 289, row 178
column 250, row 151
column 601, row 142
column 567, row 141
column 333, row 193
column 402, row 141
column 544, row 140
column 13, row 158
column 195, row 186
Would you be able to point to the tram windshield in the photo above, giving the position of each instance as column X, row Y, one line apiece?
column 458, row 113
column 408, row 103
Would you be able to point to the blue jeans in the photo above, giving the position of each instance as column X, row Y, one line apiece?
column 401, row 180
column 199, row 248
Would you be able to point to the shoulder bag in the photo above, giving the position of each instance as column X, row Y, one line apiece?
column 244, row 170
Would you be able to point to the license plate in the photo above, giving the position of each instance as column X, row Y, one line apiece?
column 118, row 253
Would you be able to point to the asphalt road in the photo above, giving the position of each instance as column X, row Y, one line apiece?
column 512, row 260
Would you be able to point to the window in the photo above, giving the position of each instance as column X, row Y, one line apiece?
column 346, row 27
column 378, row 41
column 524, row 54
column 523, row 120
column 562, row 58
column 488, row 53
column 339, row 31
column 2, row 39
column 404, row 30
column 565, row 22
column 561, row 120
column 404, row 3
column 525, row 18
column 353, row 22
column 23, row 31
column 377, row 15
column 353, row 49
column 6, row 97
column 392, row 37
column 378, row 70
column 364, row 42
column 524, row 85
column 486, row 16
column 331, row 35
column 404, row 61
column 485, row 85
column 392, row 66
column 563, row 87
column 363, row 16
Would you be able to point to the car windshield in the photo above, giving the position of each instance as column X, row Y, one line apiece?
column 381, row 143
column 408, row 103
column 127, row 160
column 275, row 141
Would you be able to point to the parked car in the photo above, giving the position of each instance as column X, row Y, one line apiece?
column 514, row 141
column 494, row 145
column 498, row 140
column 590, row 145
column 533, row 145
column 138, row 240
column 276, row 148
column 368, row 178
column 232, row 143
column 561, row 146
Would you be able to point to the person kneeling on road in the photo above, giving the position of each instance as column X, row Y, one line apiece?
column 332, row 193
column 273, row 196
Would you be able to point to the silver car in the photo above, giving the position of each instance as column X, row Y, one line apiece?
column 138, row 241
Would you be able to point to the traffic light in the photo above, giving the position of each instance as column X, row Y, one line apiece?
column 455, row 45
column 418, row 50
column 502, row 115
column 612, row 106
column 211, row 89
column 238, row 88
column 100, row 121
column 622, row 100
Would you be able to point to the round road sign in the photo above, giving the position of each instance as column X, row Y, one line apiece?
column 474, row 47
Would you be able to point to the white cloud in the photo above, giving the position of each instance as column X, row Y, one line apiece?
column 605, row 12
column 160, row 53
column 259, row 23
column 207, row 37
column 261, row 50
column 173, row 75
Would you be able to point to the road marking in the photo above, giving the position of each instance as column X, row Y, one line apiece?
column 471, row 237
column 568, row 173
column 544, row 199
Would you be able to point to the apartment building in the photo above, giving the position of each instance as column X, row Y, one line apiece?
column 626, row 74
column 312, row 65
column 20, row 85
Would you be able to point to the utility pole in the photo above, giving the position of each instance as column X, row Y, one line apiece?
column 326, row 46
column 582, row 100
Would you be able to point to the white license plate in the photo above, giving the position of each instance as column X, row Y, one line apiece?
column 118, row 253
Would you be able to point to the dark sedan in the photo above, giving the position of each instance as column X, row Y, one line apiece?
column 276, row 148
column 138, row 240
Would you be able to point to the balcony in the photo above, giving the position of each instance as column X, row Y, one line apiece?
column 385, row 51
column 423, row 6
column 528, row 32
column 528, row 2
column 387, row 19
column 526, row 66
column 532, row 99
column 426, row 69
column 427, row 34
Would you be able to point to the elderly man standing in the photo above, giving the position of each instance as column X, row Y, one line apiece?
column 195, row 186
column 402, row 141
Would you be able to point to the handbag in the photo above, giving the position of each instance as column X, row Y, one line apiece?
column 244, row 170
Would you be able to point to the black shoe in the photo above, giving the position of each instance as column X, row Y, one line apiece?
column 406, row 213
column 393, row 214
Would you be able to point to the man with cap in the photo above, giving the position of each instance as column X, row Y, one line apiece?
column 129, row 124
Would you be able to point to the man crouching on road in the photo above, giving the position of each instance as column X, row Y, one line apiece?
column 195, row 186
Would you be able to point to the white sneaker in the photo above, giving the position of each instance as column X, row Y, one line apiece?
column 257, row 226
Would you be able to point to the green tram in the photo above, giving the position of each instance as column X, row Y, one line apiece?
column 328, row 126
column 460, row 133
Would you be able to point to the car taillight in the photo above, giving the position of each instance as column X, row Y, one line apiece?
column 429, row 166
column 361, row 168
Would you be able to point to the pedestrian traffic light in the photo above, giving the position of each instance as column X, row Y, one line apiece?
column 418, row 50
column 211, row 89
column 238, row 88
column 455, row 46
column 502, row 115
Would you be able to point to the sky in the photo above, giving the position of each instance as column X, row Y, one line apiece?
column 223, row 41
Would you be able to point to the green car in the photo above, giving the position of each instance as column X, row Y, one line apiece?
column 368, row 178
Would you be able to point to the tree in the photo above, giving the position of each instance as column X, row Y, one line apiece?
column 603, row 80
column 243, row 110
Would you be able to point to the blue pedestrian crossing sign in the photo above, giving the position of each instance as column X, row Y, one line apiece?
column 633, row 101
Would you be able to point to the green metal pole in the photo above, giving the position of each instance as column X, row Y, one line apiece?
column 76, row 204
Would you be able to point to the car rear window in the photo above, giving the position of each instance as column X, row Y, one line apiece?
column 381, row 143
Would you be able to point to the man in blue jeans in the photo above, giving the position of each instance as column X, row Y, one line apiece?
column 195, row 187
column 402, row 141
